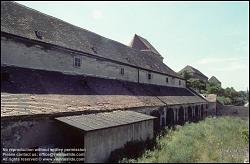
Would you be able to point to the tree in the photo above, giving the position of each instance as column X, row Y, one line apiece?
column 186, row 75
column 196, row 84
column 215, row 88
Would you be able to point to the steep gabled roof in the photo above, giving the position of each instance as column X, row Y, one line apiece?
column 23, row 22
column 213, row 79
column 141, row 43
column 191, row 69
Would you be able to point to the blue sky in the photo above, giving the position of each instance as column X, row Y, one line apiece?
column 210, row 36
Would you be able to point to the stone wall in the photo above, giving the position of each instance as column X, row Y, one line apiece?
column 211, row 110
column 231, row 110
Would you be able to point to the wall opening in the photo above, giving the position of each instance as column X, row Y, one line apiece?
column 202, row 110
column 122, row 71
column 77, row 62
column 157, row 114
column 190, row 117
column 181, row 120
column 170, row 117
column 149, row 76
column 196, row 114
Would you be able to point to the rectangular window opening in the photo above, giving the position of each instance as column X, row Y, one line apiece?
column 77, row 62
column 122, row 71
column 149, row 76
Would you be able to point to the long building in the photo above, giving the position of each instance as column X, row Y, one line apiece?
column 55, row 76
column 194, row 73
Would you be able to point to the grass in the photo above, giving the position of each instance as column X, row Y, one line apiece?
column 221, row 139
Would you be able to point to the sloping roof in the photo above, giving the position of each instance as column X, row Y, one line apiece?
column 37, row 92
column 213, row 79
column 141, row 43
column 191, row 69
column 22, row 21
column 104, row 120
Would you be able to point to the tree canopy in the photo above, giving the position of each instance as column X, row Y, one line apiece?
column 227, row 96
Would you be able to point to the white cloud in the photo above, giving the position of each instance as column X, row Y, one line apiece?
column 97, row 14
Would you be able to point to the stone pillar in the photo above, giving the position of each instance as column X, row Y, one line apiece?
column 177, row 115
column 174, row 115
column 165, row 116
column 186, row 111
column 184, row 114
column 193, row 112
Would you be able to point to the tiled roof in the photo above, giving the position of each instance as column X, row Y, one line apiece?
column 189, row 68
column 22, row 21
column 141, row 43
column 214, row 79
column 36, row 92
column 104, row 120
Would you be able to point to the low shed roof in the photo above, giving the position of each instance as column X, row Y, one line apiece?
column 104, row 120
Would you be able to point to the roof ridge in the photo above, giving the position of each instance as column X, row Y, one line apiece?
column 128, row 55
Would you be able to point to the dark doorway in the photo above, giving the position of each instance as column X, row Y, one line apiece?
column 157, row 114
column 196, row 116
column 170, row 117
column 181, row 120
column 190, row 117
column 202, row 111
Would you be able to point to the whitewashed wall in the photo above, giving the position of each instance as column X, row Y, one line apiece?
column 18, row 54
column 159, row 79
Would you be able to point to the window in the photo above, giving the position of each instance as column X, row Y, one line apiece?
column 149, row 76
column 77, row 62
column 122, row 71
column 39, row 34
column 179, row 82
column 166, row 79
column 94, row 50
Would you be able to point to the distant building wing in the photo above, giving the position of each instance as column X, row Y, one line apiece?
column 213, row 79
column 191, row 69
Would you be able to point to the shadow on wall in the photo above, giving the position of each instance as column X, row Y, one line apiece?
column 21, row 80
column 131, row 150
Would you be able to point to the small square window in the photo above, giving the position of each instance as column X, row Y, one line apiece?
column 149, row 76
column 122, row 71
column 39, row 34
column 166, row 79
column 77, row 62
